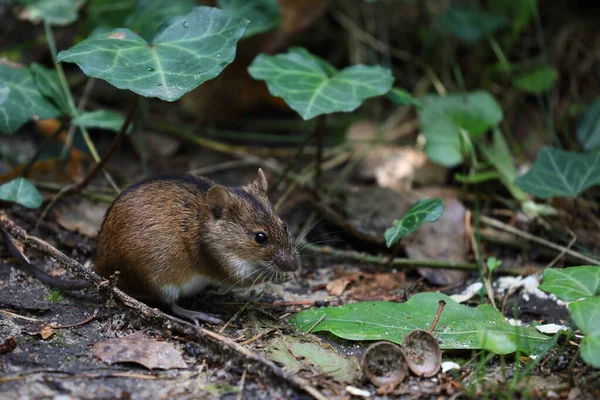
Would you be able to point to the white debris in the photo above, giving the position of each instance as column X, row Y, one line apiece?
column 551, row 328
column 354, row 391
column 448, row 365
column 468, row 293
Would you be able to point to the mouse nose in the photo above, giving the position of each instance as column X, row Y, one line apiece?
column 287, row 260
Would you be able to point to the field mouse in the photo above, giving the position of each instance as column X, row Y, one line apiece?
column 171, row 236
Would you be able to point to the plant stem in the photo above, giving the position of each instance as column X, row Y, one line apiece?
column 319, row 135
column 73, row 110
column 499, row 53
column 382, row 260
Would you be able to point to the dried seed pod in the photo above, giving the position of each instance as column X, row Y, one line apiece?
column 422, row 353
column 384, row 364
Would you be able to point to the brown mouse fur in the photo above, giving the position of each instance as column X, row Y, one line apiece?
column 170, row 236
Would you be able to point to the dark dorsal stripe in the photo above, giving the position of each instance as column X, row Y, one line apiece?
column 252, row 200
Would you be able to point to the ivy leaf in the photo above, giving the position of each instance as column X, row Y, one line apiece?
column 460, row 327
column 312, row 87
column 148, row 15
column 3, row 93
column 262, row 14
column 519, row 12
column 537, row 82
column 23, row 100
column 188, row 51
column 444, row 119
column 559, row 173
column 588, row 130
column 402, row 97
column 586, row 315
column 470, row 25
column 426, row 210
column 102, row 119
column 22, row 192
column 54, row 12
column 572, row 283
column 49, row 84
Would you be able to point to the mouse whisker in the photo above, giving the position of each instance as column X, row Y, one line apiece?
column 244, row 276
column 302, row 235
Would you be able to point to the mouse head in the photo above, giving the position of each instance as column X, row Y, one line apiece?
column 249, row 238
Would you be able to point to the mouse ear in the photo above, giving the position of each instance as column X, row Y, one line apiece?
column 261, row 181
column 218, row 198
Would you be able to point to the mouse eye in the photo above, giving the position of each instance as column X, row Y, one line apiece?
column 260, row 237
column 285, row 227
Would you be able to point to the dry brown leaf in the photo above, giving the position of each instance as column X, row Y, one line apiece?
column 45, row 331
column 85, row 217
column 138, row 349
column 338, row 286
column 376, row 286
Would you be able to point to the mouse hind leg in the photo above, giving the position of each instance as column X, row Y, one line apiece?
column 194, row 316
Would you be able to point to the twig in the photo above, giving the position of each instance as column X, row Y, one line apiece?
column 85, row 321
column 241, row 310
column 381, row 260
column 438, row 314
column 241, row 386
column 256, row 337
column 317, row 322
column 19, row 316
column 224, row 147
column 536, row 239
column 562, row 253
column 78, row 187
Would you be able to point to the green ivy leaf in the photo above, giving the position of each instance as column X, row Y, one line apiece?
column 586, row 315
column 49, row 84
column 519, row 12
column 537, row 82
column 426, row 210
column 262, row 14
column 402, row 97
column 54, row 12
column 312, row 87
column 572, row 283
column 101, row 119
column 22, row 192
column 3, row 93
column 188, row 51
column 559, row 173
column 23, row 100
column 148, row 15
column 443, row 118
column 460, row 327
column 588, row 130
column 470, row 25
